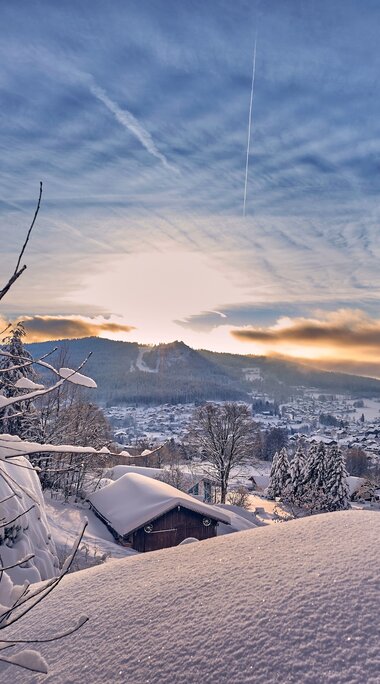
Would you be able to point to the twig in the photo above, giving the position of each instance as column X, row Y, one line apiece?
column 42, row 592
column 18, row 271
column 5, row 329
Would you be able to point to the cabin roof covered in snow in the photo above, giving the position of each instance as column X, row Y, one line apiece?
column 133, row 500
column 119, row 470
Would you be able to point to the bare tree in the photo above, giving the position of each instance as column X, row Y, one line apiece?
column 356, row 461
column 175, row 477
column 83, row 424
column 223, row 435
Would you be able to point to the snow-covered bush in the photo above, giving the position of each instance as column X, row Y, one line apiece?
column 239, row 497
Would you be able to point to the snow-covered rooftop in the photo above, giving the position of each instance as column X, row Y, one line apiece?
column 294, row 602
column 120, row 470
column 134, row 499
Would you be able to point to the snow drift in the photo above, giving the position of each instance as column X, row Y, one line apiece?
column 24, row 528
column 293, row 602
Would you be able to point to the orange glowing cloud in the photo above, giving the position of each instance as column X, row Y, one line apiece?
column 340, row 334
column 40, row 328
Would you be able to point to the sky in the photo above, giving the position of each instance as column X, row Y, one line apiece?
column 134, row 114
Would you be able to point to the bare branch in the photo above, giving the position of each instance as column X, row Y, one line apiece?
column 9, row 522
column 18, row 564
column 44, row 591
column 11, row 661
column 5, row 329
column 55, row 637
column 18, row 271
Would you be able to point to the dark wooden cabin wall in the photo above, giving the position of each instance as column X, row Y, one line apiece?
column 172, row 528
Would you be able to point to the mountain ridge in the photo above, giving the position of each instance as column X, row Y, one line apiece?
column 128, row 372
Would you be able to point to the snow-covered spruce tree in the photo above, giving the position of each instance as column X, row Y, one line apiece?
column 17, row 373
column 337, row 488
column 315, row 496
column 295, row 488
column 279, row 475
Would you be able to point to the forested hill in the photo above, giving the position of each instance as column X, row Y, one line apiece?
column 130, row 373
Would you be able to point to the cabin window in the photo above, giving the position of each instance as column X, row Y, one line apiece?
column 148, row 528
column 206, row 522
column 194, row 490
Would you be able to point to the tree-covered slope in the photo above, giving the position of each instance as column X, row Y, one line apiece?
column 130, row 373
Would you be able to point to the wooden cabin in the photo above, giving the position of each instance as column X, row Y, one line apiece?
column 148, row 515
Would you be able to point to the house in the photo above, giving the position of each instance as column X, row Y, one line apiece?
column 259, row 483
column 147, row 514
column 165, row 454
column 192, row 482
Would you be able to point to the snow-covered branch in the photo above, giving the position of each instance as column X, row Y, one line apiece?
column 66, row 375
column 28, row 362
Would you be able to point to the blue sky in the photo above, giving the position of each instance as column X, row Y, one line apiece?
column 134, row 114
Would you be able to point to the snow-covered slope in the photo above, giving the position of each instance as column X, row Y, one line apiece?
column 296, row 602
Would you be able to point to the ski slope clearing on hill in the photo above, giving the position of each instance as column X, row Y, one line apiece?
column 293, row 602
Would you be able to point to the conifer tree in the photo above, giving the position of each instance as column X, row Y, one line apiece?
column 21, row 418
column 337, row 481
column 315, row 495
column 295, row 487
column 279, row 475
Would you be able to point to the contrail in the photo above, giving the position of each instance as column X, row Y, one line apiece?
column 249, row 124
column 126, row 119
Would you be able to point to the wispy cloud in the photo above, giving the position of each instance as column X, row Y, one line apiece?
column 129, row 121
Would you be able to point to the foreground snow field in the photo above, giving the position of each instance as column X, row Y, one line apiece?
column 293, row 602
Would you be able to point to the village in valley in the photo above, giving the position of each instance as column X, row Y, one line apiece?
column 354, row 422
